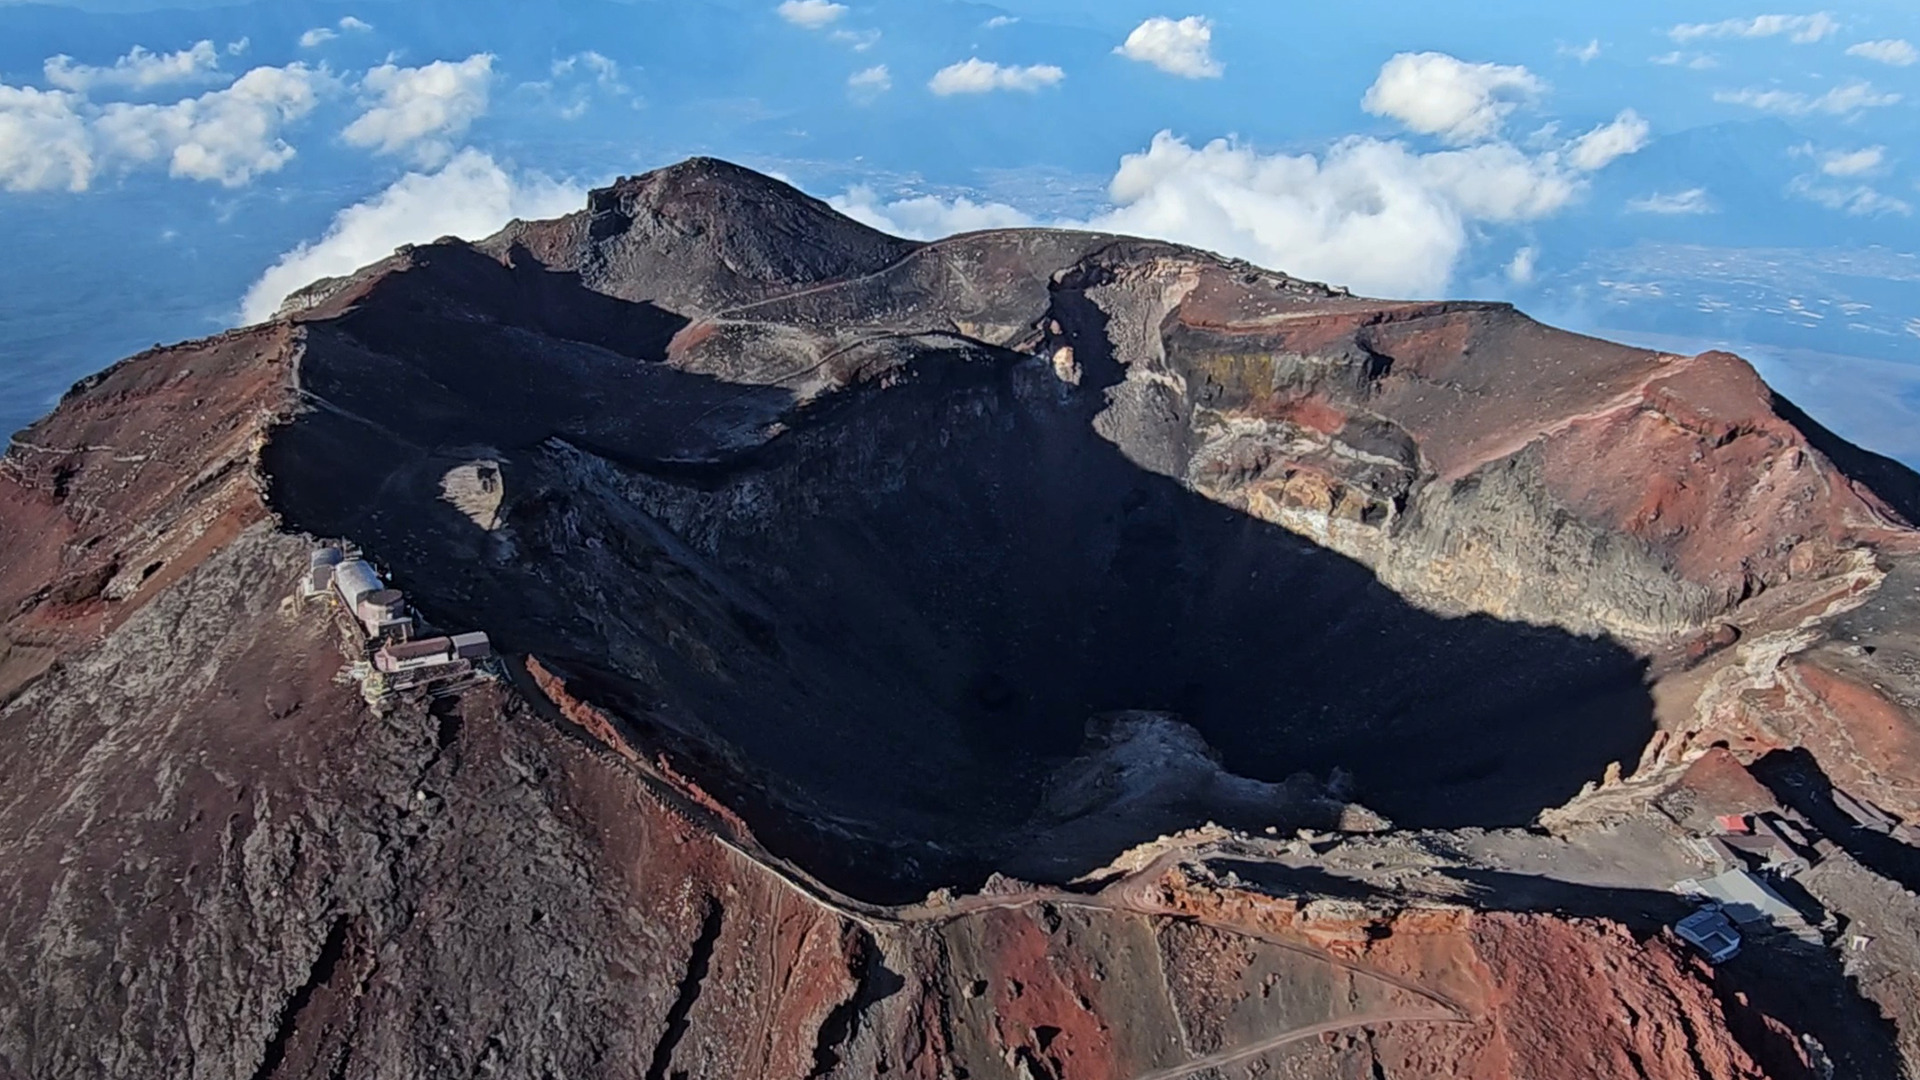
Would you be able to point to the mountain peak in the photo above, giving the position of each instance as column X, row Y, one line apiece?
column 704, row 174
column 702, row 234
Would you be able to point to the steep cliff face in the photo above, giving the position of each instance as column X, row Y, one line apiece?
column 830, row 570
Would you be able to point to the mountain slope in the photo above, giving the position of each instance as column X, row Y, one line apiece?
column 830, row 570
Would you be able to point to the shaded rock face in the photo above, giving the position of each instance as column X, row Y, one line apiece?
column 812, row 553
column 899, row 612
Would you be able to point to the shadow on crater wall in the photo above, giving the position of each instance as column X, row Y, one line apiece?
column 901, row 612
column 1798, row 781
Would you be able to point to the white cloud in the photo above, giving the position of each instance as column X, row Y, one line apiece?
column 977, row 76
column 861, row 40
column 1857, row 198
column 811, row 14
column 820, row 14
column 604, row 70
column 1800, row 29
column 471, row 197
column 999, row 21
column 229, row 136
column 1436, row 94
column 1586, row 54
column 1695, row 61
column 1182, row 47
column 1858, row 201
column 1895, row 51
column 59, row 139
column 320, row 35
column 1854, row 163
column 1520, row 269
column 927, row 217
column 418, row 109
column 1368, row 213
column 874, row 80
column 1838, row 101
column 44, row 142
column 1690, row 201
column 1627, row 134
column 138, row 70
column 1498, row 182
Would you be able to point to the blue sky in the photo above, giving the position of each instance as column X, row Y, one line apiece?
column 1682, row 175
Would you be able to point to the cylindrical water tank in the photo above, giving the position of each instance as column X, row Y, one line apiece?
column 381, row 604
column 320, row 568
column 355, row 578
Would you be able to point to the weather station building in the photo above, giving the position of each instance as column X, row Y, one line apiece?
column 396, row 659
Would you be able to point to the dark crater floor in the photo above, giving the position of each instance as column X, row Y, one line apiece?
column 883, row 630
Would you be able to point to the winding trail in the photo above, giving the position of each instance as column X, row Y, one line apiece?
column 1131, row 894
column 1249, row 1051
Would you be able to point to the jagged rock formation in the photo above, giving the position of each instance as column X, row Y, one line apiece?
column 813, row 553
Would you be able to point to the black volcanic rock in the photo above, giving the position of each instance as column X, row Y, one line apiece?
column 701, row 234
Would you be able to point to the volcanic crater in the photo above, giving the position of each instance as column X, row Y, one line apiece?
column 877, row 626
column 882, row 611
